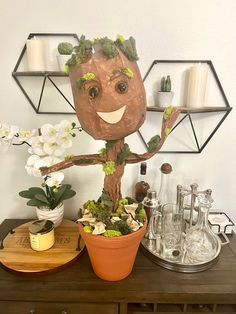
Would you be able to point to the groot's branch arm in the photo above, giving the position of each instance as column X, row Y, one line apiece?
column 166, row 126
column 82, row 160
column 94, row 159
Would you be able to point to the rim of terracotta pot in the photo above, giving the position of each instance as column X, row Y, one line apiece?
column 113, row 240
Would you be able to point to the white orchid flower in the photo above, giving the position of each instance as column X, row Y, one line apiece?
column 53, row 149
column 32, row 160
column 33, row 171
column 55, row 179
column 8, row 131
column 25, row 135
column 65, row 128
column 5, row 144
column 34, row 163
column 37, row 146
column 49, row 133
column 32, row 166
column 50, row 161
column 65, row 142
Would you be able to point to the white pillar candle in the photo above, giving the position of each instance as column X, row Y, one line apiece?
column 35, row 55
column 197, row 86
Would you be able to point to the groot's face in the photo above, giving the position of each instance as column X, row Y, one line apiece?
column 112, row 105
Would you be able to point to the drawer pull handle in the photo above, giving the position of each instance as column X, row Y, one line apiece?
column 64, row 312
column 32, row 312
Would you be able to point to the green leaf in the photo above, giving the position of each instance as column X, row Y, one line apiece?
column 42, row 198
column 35, row 202
column 68, row 194
column 64, row 192
column 123, row 154
column 31, row 192
column 152, row 144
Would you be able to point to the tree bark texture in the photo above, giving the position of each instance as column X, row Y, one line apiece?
column 112, row 182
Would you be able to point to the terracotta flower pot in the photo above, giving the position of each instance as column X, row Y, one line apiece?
column 112, row 259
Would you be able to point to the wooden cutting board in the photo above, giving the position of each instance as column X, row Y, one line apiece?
column 18, row 256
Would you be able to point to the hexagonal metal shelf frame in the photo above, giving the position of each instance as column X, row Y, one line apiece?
column 189, row 111
column 47, row 75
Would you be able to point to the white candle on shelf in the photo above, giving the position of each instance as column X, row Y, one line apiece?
column 35, row 55
column 197, row 85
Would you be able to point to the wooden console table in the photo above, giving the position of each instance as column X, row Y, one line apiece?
column 149, row 288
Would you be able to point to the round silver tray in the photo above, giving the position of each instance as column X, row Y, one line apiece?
column 177, row 265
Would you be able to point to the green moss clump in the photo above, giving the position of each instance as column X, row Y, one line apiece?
column 109, row 167
column 153, row 143
column 108, row 47
column 112, row 233
column 123, row 227
column 83, row 52
column 128, row 47
column 140, row 213
column 88, row 229
column 115, row 222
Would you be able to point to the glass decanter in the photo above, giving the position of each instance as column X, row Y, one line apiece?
column 201, row 244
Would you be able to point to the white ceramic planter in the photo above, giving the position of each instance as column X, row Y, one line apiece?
column 61, row 60
column 164, row 99
column 55, row 215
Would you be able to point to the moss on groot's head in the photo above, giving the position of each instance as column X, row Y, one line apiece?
column 107, row 87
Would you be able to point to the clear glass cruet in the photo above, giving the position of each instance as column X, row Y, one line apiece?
column 201, row 244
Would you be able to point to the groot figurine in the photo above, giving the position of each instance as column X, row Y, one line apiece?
column 110, row 104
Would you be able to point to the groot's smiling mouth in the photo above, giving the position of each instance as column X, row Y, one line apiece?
column 113, row 116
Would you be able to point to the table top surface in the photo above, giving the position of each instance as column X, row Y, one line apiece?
column 147, row 282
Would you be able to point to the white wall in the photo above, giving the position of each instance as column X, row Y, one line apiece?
column 173, row 29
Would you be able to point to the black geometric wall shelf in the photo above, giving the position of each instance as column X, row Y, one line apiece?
column 212, row 116
column 45, row 79
column 46, row 89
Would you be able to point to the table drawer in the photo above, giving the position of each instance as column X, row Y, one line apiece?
column 12, row 307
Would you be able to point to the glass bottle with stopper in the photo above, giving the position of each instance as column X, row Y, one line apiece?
column 201, row 243
column 164, row 194
column 141, row 187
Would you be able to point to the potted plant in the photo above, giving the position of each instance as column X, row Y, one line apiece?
column 165, row 95
column 65, row 50
column 46, row 147
column 49, row 200
column 110, row 103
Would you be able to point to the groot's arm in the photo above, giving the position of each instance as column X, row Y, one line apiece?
column 82, row 160
column 167, row 125
column 94, row 159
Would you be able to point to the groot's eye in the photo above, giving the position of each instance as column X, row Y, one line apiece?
column 122, row 87
column 93, row 92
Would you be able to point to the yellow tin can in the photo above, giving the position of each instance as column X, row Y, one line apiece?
column 41, row 235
